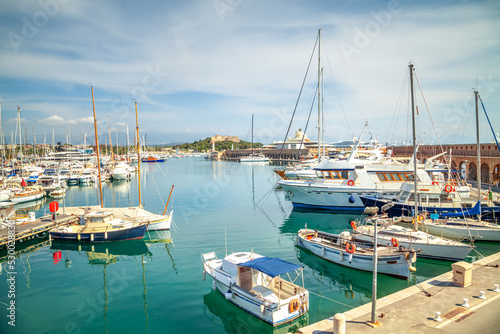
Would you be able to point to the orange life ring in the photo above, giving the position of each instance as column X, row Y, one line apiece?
column 350, row 248
column 350, row 183
column 349, row 294
column 309, row 237
column 435, row 183
column 353, row 224
column 294, row 305
column 421, row 218
column 394, row 242
column 448, row 188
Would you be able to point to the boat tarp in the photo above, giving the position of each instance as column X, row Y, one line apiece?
column 270, row 266
column 476, row 210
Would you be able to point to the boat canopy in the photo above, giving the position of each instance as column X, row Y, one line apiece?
column 476, row 210
column 270, row 266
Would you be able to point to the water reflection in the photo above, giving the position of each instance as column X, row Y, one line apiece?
column 232, row 319
column 105, row 254
column 321, row 220
column 158, row 239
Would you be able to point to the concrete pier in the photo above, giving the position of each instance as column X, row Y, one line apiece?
column 412, row 311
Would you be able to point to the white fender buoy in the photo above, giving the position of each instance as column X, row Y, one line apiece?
column 350, row 257
column 204, row 275
column 214, row 286
column 228, row 295
column 323, row 251
column 262, row 308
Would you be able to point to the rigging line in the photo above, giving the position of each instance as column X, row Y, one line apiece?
column 399, row 103
column 307, row 123
column 429, row 112
column 466, row 121
column 337, row 94
column 298, row 98
column 491, row 127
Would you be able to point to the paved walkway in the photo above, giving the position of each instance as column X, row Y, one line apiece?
column 411, row 311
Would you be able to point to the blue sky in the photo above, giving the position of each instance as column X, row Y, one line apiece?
column 200, row 68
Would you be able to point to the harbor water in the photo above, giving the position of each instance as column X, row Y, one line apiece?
column 155, row 285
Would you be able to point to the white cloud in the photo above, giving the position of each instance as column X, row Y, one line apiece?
column 191, row 68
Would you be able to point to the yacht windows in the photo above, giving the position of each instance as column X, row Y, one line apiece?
column 333, row 174
column 395, row 176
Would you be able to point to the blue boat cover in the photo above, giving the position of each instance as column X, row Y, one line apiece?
column 271, row 266
column 476, row 210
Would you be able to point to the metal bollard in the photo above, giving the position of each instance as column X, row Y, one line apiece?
column 339, row 323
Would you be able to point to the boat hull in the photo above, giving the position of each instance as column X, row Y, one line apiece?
column 314, row 197
column 463, row 232
column 393, row 265
column 29, row 198
column 400, row 209
column 163, row 223
column 135, row 232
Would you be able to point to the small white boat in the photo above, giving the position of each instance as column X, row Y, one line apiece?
column 58, row 193
column 253, row 282
column 121, row 172
column 28, row 194
column 254, row 158
column 430, row 246
column 346, row 250
column 461, row 228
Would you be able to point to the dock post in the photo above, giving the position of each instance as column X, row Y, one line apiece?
column 339, row 323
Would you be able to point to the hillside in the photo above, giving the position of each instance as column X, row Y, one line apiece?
column 204, row 145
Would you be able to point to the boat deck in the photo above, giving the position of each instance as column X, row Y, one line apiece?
column 28, row 230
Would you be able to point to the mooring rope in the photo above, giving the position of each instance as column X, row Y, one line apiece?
column 335, row 301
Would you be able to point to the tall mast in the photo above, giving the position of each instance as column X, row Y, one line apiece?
column 319, row 95
column 110, row 141
column 127, row 145
column 476, row 94
column 414, row 145
column 252, row 134
column 97, row 148
column 20, row 136
column 138, row 154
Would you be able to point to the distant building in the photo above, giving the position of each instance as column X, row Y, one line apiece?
column 218, row 138
column 298, row 142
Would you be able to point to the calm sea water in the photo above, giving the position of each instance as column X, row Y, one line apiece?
column 155, row 285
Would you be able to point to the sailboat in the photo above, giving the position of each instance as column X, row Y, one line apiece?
column 254, row 157
column 463, row 227
column 388, row 233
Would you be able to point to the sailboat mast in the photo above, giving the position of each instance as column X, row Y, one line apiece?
column 97, row 148
column 476, row 94
column 414, row 144
column 138, row 155
column 252, row 135
column 319, row 95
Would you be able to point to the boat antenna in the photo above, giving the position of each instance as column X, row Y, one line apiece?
column 97, row 147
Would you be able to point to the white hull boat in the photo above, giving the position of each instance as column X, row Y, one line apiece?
column 347, row 251
column 253, row 283
column 160, row 222
column 461, row 228
column 430, row 246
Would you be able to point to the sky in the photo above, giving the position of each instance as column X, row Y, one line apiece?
column 201, row 68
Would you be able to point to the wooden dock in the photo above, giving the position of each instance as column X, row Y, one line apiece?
column 30, row 230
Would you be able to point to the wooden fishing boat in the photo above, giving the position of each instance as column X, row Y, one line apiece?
column 253, row 282
column 101, row 226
